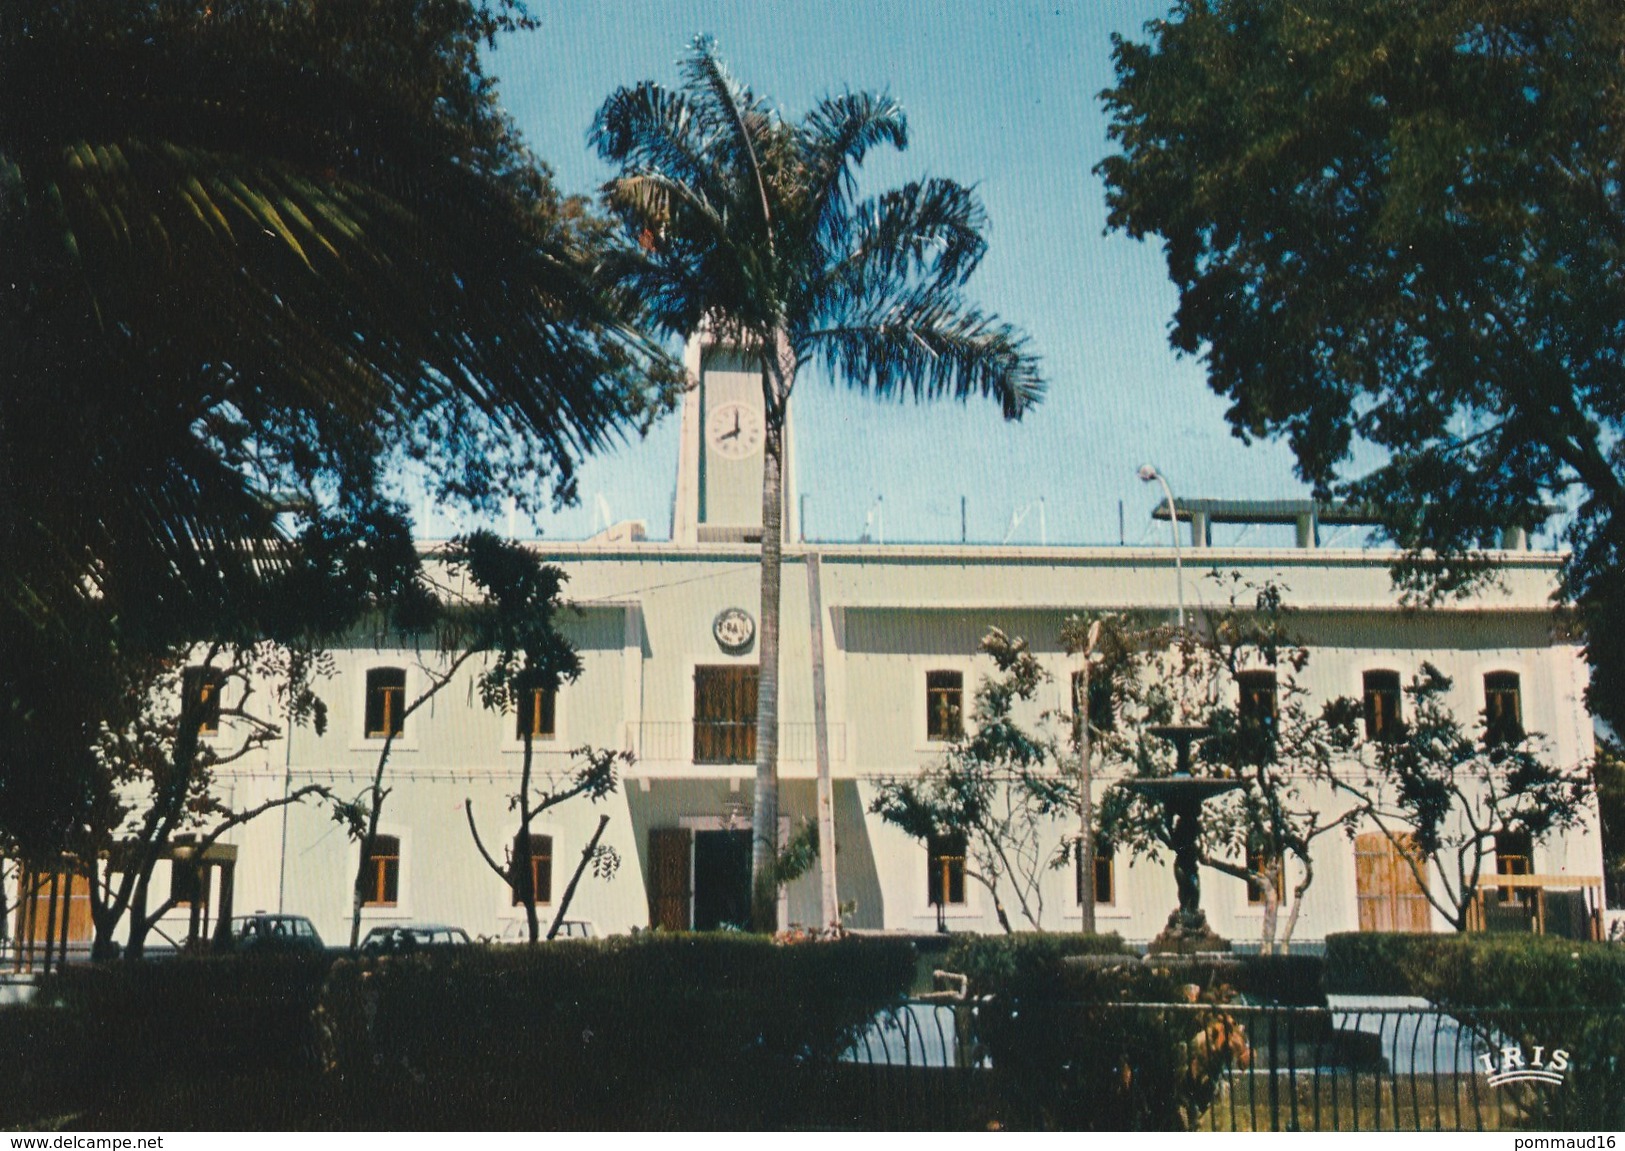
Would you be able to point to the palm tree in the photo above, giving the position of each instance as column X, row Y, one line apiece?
column 255, row 255
column 750, row 226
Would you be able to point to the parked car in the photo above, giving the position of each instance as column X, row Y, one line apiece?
column 518, row 931
column 398, row 938
column 265, row 933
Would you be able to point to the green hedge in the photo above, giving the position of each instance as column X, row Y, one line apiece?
column 654, row 1030
column 1532, row 989
column 1031, row 961
column 132, row 1039
column 1095, row 1046
column 1478, row 970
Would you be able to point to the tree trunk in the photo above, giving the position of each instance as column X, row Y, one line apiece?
column 829, row 900
column 778, row 377
column 524, row 869
column 1297, row 903
column 376, row 801
column 570, row 891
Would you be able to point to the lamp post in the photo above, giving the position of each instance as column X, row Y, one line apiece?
column 1149, row 474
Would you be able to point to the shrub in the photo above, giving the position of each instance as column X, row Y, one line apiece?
column 653, row 1030
column 1084, row 1035
column 1030, row 960
column 1288, row 980
column 1099, row 1046
column 1534, row 989
column 1478, row 970
column 123, row 1038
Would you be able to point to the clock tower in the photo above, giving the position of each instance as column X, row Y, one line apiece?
column 721, row 448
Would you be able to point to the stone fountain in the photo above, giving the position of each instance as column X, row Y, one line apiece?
column 1180, row 798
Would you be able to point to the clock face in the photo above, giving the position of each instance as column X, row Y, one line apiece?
column 735, row 430
column 734, row 629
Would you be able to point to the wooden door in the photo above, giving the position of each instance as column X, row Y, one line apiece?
column 37, row 920
column 670, row 853
column 725, row 714
column 1386, row 888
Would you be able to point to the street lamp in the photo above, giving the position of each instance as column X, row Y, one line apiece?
column 1148, row 474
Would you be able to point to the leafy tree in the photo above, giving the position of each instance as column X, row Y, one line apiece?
column 272, row 249
column 596, row 778
column 1608, row 777
column 527, row 656
column 1000, row 786
column 750, row 227
column 1441, row 793
column 158, row 774
column 1396, row 228
column 1262, row 833
column 477, row 595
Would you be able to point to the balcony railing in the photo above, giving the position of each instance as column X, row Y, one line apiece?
column 1565, row 905
column 720, row 742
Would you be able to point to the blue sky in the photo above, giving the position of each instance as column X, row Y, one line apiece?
column 1002, row 95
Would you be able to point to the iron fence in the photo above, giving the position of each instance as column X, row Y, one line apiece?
column 1232, row 1068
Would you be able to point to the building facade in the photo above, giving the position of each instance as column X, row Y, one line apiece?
column 666, row 631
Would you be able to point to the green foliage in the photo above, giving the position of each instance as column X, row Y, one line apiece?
column 681, row 1029
column 279, row 248
column 1396, row 228
column 1092, row 1044
column 1531, row 989
column 1608, row 777
column 1449, row 790
column 999, row 964
column 739, row 224
column 1162, row 675
column 999, row 785
column 1478, row 970
column 117, row 1036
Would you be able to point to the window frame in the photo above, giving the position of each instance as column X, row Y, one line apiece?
column 1106, row 858
column 383, row 874
column 1496, row 731
column 536, row 863
column 1377, row 732
column 729, row 756
column 944, row 735
column 1254, row 861
column 367, row 679
column 1100, row 698
column 1246, row 690
column 532, row 701
column 211, row 682
column 939, row 860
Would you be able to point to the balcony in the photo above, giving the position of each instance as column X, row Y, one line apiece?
column 1569, row 906
column 707, row 743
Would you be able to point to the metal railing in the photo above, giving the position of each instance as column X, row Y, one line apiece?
column 720, row 742
column 1235, row 1068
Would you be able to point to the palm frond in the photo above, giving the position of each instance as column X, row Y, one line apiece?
column 926, row 346
column 927, row 233
column 834, row 138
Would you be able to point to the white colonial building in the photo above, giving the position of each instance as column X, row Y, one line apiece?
column 666, row 634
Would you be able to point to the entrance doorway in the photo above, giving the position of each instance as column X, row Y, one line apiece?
column 721, row 879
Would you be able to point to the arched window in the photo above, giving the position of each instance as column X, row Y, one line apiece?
column 944, row 704
column 386, row 702
column 200, row 696
column 1503, row 708
column 541, row 869
column 1383, row 698
column 383, row 872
